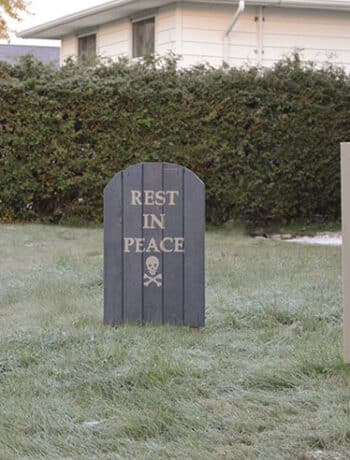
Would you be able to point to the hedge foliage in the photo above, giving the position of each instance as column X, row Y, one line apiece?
column 265, row 143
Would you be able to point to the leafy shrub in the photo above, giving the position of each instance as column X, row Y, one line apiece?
column 265, row 143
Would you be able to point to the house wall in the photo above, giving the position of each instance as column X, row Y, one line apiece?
column 264, row 35
column 113, row 40
column 203, row 31
column 69, row 48
column 166, row 27
column 261, row 36
column 319, row 35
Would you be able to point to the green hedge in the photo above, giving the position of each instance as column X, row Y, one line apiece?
column 266, row 143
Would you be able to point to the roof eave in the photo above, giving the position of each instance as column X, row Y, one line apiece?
column 119, row 9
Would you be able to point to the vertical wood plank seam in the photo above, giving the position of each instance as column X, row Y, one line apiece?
column 122, row 246
column 142, row 257
column 163, row 271
column 183, row 235
column 203, row 252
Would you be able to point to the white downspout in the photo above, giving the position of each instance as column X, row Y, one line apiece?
column 261, row 20
column 239, row 11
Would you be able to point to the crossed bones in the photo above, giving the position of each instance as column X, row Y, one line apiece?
column 153, row 279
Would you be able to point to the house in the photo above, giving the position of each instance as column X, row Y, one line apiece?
column 248, row 32
column 45, row 54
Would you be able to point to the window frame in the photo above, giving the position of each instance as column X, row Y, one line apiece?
column 90, row 61
column 151, row 17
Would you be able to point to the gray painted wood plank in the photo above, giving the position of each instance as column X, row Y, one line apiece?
column 174, row 262
column 153, row 293
column 132, row 261
column 194, row 232
column 113, row 268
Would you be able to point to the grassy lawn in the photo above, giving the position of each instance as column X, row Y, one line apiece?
column 264, row 380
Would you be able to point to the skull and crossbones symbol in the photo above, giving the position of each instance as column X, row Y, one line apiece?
column 152, row 266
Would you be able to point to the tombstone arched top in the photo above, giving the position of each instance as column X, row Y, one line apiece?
column 135, row 167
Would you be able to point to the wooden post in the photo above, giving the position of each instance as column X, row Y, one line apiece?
column 345, row 181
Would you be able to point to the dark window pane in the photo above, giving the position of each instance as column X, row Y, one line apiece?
column 143, row 38
column 87, row 50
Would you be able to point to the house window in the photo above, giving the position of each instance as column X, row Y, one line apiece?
column 87, row 50
column 143, row 34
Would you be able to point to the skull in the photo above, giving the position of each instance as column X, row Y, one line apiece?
column 152, row 264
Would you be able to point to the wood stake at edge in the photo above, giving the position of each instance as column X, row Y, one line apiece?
column 345, row 188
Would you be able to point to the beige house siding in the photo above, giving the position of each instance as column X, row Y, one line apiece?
column 166, row 30
column 319, row 35
column 203, row 32
column 69, row 48
column 113, row 40
column 261, row 36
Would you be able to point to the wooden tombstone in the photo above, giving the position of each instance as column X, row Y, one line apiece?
column 154, row 224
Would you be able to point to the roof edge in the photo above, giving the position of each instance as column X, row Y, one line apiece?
column 29, row 33
column 38, row 31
